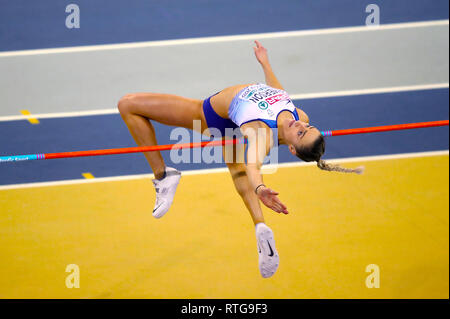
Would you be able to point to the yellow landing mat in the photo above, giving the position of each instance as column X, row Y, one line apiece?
column 394, row 216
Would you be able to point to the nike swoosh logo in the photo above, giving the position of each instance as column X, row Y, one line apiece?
column 157, row 207
column 271, row 251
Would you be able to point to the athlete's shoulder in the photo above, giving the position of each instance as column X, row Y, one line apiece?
column 302, row 115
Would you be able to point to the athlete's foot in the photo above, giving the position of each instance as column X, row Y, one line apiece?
column 165, row 191
column 268, row 255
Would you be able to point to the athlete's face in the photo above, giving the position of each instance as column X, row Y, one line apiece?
column 298, row 134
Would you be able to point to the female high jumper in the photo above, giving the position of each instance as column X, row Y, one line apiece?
column 257, row 110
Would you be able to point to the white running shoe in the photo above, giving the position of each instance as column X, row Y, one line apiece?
column 268, row 255
column 165, row 191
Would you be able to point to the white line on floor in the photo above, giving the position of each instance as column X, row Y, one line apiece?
column 392, row 89
column 255, row 36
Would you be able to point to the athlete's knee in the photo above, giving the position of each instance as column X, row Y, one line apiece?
column 126, row 103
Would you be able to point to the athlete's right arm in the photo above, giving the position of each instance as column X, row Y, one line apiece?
column 258, row 147
column 263, row 59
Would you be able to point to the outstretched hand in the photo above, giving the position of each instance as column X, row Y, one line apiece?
column 270, row 199
column 261, row 53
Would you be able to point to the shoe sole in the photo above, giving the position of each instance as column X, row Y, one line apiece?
column 268, row 265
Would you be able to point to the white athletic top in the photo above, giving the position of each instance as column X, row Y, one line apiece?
column 260, row 102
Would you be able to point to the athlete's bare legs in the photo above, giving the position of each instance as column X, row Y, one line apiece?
column 138, row 109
